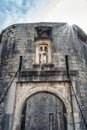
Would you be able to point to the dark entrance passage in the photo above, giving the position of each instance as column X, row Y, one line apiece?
column 44, row 111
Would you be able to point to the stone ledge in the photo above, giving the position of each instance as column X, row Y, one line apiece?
column 45, row 76
column 46, row 72
column 43, row 66
column 42, row 38
column 35, row 81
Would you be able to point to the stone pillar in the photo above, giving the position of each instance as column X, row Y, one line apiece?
column 77, row 121
column 69, row 121
column 49, row 55
column 10, row 107
column 77, row 118
column 37, row 55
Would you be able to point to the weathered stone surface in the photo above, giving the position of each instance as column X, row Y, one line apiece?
column 19, row 40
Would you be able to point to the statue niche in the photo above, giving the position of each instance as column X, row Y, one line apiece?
column 43, row 38
column 43, row 54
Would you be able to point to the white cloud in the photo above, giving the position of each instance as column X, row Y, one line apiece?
column 71, row 11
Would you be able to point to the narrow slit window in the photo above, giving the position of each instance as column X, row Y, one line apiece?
column 50, row 121
column 23, row 118
column 59, row 116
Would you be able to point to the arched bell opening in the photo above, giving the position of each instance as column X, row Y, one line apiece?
column 44, row 111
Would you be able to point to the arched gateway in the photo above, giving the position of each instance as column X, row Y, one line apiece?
column 40, row 105
column 43, row 111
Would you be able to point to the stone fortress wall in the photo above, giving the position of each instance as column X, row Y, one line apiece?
column 21, row 40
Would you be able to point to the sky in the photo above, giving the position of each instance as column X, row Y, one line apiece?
column 31, row 11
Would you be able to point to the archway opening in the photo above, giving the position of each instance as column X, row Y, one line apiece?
column 44, row 111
